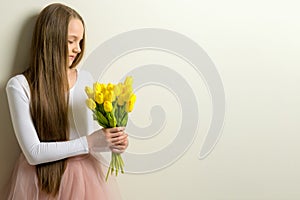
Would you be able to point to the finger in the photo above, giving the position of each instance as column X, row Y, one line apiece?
column 118, row 139
column 122, row 145
column 119, row 143
column 109, row 136
column 117, row 151
column 116, row 134
column 115, row 129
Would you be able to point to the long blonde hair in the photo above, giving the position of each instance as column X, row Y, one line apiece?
column 48, row 81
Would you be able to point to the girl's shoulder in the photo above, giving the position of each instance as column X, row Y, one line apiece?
column 18, row 82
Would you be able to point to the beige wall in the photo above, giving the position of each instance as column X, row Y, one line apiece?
column 255, row 46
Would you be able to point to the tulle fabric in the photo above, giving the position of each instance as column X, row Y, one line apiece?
column 83, row 179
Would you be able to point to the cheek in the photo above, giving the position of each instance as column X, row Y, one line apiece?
column 69, row 48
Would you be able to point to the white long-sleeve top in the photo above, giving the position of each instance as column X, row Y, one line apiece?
column 81, row 122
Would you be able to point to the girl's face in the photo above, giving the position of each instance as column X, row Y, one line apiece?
column 75, row 35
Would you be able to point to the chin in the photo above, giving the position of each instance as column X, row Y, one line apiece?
column 70, row 63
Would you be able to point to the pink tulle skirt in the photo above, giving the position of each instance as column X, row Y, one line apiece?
column 83, row 179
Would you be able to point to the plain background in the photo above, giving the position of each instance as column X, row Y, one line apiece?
column 255, row 46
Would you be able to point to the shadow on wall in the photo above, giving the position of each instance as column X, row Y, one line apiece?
column 9, row 148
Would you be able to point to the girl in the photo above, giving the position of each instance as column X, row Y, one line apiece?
column 56, row 160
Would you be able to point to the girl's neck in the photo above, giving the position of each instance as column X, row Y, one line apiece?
column 72, row 76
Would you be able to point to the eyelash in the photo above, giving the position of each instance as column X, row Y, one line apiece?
column 70, row 42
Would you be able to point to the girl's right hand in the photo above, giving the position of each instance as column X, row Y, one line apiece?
column 117, row 139
column 114, row 138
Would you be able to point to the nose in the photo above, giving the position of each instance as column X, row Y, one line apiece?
column 77, row 49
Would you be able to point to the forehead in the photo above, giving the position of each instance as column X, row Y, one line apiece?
column 75, row 28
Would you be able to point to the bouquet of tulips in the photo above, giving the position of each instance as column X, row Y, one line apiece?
column 111, row 104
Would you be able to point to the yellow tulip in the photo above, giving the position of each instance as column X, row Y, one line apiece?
column 130, row 103
column 99, row 98
column 89, row 92
column 109, row 96
column 90, row 104
column 106, row 96
column 129, row 106
column 128, row 88
column 107, row 106
column 132, row 98
column 110, row 87
column 103, row 87
column 118, row 89
column 97, row 87
column 113, row 96
column 120, row 101
column 127, row 96
column 128, row 81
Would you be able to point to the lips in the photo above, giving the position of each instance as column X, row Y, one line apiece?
column 72, row 57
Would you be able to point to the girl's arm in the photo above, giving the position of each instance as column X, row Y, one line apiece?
column 35, row 151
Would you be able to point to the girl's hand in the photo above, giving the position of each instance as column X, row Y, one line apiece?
column 117, row 139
